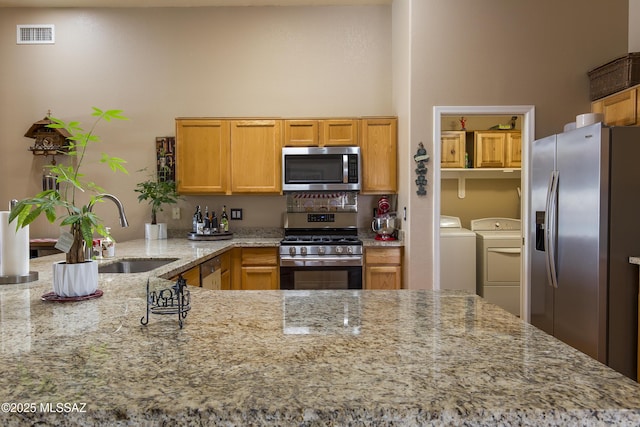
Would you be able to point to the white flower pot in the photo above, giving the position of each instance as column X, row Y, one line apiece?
column 75, row 280
column 155, row 231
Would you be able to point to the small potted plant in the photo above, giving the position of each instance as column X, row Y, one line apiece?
column 77, row 276
column 157, row 192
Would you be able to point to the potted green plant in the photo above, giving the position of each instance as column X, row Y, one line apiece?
column 157, row 192
column 77, row 276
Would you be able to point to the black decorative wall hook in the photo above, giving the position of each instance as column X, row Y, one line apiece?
column 421, row 157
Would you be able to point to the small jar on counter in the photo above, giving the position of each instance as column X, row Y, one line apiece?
column 108, row 245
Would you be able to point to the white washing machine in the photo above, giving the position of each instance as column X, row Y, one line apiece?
column 499, row 243
column 457, row 255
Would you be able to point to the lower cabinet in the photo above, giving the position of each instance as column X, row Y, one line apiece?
column 259, row 269
column 383, row 268
column 192, row 276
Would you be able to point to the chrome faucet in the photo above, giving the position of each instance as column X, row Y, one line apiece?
column 123, row 217
column 114, row 199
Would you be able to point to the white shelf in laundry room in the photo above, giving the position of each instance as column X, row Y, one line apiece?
column 462, row 174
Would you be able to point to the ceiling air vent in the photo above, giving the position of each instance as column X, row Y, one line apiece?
column 36, row 34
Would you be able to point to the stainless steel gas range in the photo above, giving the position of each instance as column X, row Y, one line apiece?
column 321, row 248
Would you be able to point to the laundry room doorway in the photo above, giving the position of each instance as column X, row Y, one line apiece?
column 472, row 183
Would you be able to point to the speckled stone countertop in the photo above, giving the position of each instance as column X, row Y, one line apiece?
column 288, row 358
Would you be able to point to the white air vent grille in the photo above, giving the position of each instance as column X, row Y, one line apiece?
column 36, row 34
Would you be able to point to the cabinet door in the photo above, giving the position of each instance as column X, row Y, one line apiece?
column 453, row 149
column 202, row 156
column 383, row 268
column 339, row 132
column 513, row 153
column 489, row 149
column 260, row 278
column 192, row 276
column 620, row 109
column 225, row 267
column 301, row 133
column 256, row 156
column 378, row 150
column 380, row 277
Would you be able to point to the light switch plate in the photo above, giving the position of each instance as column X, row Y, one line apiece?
column 175, row 213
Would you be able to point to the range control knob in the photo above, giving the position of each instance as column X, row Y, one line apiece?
column 350, row 250
column 339, row 249
column 292, row 250
column 322, row 250
column 303, row 250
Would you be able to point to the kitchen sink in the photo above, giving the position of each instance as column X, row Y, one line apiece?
column 134, row 265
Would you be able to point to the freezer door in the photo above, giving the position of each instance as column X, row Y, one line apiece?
column 543, row 154
column 580, row 309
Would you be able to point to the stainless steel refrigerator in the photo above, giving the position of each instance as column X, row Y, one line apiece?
column 585, row 215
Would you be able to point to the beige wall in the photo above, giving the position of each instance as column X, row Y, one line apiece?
column 500, row 52
column 634, row 26
column 158, row 64
column 402, row 59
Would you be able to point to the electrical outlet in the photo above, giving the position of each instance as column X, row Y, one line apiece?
column 175, row 213
column 236, row 214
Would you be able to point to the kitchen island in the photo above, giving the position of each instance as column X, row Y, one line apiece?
column 288, row 358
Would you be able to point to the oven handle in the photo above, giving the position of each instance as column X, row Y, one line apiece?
column 322, row 262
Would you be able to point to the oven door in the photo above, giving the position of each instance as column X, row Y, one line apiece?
column 310, row 276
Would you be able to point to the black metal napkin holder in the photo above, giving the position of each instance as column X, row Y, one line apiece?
column 173, row 300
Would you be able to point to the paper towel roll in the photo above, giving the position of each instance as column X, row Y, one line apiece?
column 14, row 248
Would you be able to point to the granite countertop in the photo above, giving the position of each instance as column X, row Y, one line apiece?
column 288, row 358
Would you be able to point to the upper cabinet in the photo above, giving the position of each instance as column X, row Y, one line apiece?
column 256, row 147
column 497, row 149
column 202, row 154
column 221, row 156
column 339, row 132
column 301, row 133
column 619, row 109
column 379, row 153
column 453, row 149
column 320, row 133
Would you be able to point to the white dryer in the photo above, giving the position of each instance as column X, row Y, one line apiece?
column 457, row 255
column 499, row 243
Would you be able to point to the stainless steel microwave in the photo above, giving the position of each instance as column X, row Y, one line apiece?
column 321, row 169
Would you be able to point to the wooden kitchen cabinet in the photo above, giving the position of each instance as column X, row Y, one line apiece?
column 192, row 276
column 256, row 147
column 259, row 269
column 320, row 132
column 339, row 132
column 379, row 155
column 202, row 156
column 453, row 143
column 491, row 148
column 513, row 150
column 619, row 109
column 383, row 268
column 301, row 133
column 225, row 273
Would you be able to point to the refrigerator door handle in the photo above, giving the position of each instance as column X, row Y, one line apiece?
column 550, row 232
